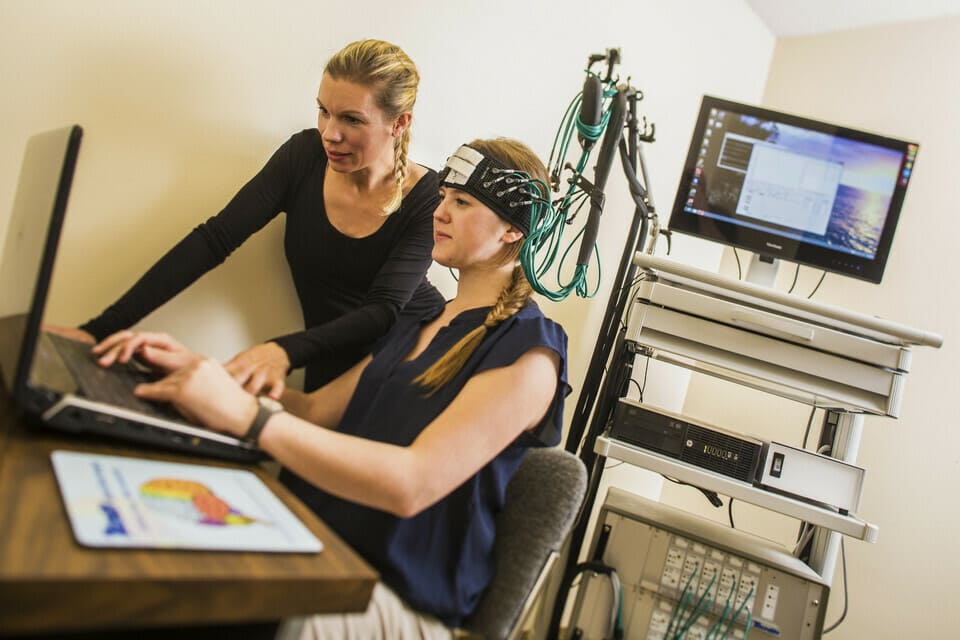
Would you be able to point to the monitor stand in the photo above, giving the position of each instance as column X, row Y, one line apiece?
column 762, row 270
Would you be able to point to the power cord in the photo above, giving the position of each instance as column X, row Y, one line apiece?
column 711, row 496
column 796, row 272
column 806, row 530
column 846, row 595
column 806, row 432
column 597, row 566
column 615, row 624
column 820, row 282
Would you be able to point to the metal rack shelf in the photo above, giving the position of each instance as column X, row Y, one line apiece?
column 845, row 524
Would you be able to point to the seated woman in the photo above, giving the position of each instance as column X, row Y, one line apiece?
column 425, row 433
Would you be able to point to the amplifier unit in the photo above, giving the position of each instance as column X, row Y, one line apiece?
column 810, row 476
column 696, row 443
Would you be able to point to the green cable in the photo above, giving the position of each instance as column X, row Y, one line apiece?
column 678, row 608
column 593, row 132
column 699, row 609
column 582, row 291
column 683, row 595
column 723, row 614
column 566, row 129
column 736, row 615
column 746, row 628
column 542, row 247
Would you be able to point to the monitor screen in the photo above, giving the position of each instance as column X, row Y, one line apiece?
column 792, row 188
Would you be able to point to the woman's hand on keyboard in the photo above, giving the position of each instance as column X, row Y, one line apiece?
column 205, row 393
column 157, row 350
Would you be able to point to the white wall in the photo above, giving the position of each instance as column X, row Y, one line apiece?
column 184, row 100
column 900, row 81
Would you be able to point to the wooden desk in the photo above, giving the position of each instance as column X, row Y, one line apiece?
column 49, row 583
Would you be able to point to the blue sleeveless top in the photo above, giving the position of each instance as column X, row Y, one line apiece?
column 441, row 560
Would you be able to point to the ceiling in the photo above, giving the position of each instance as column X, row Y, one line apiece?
column 806, row 17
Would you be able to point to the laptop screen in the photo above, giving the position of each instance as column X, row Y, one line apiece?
column 33, row 231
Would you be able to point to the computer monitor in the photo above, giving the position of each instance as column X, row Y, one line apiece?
column 793, row 188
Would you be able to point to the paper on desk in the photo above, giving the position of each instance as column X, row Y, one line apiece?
column 115, row 501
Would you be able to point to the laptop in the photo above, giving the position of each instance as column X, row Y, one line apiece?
column 52, row 380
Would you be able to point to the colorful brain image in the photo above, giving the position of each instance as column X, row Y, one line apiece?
column 191, row 501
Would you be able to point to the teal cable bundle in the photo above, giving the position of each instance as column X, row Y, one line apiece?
column 545, row 243
column 677, row 614
column 683, row 617
column 686, row 612
column 593, row 132
column 726, row 630
column 721, row 631
column 718, row 625
column 703, row 604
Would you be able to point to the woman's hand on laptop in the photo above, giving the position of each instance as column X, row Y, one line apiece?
column 261, row 369
column 158, row 350
column 205, row 393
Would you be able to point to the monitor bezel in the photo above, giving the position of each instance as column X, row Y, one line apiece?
column 769, row 244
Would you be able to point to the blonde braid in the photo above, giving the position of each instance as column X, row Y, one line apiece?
column 510, row 301
column 400, row 168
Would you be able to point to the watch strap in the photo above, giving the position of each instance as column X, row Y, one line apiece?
column 264, row 412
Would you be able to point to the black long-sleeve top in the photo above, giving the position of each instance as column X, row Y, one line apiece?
column 350, row 289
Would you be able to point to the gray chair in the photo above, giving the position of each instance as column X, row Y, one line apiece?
column 542, row 502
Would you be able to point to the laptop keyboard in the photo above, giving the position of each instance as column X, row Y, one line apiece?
column 110, row 386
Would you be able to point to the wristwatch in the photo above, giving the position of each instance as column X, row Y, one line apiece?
column 266, row 407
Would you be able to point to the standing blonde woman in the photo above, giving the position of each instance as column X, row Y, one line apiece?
column 358, row 230
column 423, row 435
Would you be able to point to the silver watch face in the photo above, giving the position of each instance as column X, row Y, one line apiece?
column 269, row 403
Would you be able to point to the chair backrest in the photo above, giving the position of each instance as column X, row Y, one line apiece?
column 542, row 502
